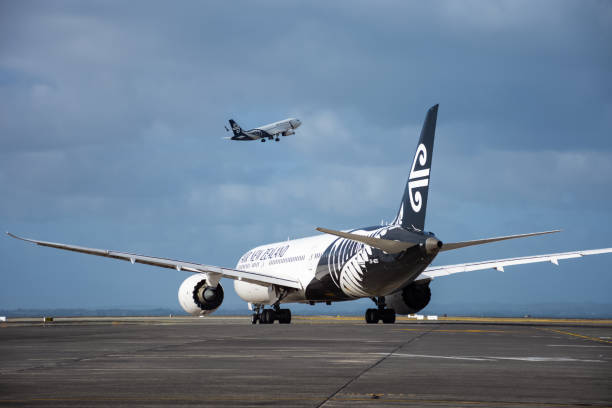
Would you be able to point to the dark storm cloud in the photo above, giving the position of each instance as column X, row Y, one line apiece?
column 112, row 114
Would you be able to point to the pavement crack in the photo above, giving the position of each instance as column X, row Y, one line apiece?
column 355, row 378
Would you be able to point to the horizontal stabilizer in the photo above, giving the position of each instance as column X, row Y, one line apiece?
column 457, row 245
column 387, row 245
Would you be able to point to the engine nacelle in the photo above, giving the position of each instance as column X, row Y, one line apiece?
column 289, row 132
column 197, row 297
column 253, row 293
column 411, row 299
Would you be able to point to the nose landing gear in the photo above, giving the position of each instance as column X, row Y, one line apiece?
column 387, row 316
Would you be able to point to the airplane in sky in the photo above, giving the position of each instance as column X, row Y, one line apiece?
column 389, row 264
column 271, row 131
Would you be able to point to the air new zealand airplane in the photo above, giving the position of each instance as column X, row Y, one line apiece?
column 270, row 131
column 389, row 264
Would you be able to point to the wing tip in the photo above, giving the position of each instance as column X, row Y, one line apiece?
column 10, row 234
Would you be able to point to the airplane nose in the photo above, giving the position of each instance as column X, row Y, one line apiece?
column 296, row 123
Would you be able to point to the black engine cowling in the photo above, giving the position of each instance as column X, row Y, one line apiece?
column 410, row 299
column 197, row 297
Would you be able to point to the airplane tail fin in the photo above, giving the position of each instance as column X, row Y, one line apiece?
column 414, row 202
column 235, row 127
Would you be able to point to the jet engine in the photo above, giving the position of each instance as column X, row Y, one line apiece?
column 198, row 297
column 289, row 132
column 410, row 299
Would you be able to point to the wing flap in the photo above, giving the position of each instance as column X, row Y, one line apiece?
column 253, row 277
column 499, row 264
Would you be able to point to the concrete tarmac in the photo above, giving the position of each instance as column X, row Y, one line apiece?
column 314, row 362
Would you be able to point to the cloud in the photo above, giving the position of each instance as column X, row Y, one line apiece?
column 112, row 115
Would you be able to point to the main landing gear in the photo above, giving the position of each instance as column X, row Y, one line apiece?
column 380, row 313
column 269, row 316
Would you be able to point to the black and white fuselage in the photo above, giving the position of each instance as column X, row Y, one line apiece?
column 332, row 268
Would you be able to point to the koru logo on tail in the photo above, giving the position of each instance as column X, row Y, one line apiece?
column 418, row 178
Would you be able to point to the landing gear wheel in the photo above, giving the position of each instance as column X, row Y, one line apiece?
column 277, row 139
column 254, row 318
column 371, row 316
column 267, row 317
column 263, row 140
column 284, row 316
column 388, row 316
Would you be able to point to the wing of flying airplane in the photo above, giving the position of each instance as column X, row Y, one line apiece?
column 499, row 264
column 216, row 271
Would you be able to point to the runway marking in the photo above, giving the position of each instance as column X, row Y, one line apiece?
column 575, row 345
column 460, row 330
column 440, row 357
column 495, row 358
column 582, row 336
column 524, row 320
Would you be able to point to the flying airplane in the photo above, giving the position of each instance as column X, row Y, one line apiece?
column 389, row 264
column 271, row 131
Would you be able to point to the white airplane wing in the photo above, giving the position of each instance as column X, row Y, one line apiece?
column 253, row 277
column 499, row 264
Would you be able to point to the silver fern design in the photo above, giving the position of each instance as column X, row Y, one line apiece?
column 348, row 262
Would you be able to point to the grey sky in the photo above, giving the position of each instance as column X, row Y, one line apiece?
column 112, row 114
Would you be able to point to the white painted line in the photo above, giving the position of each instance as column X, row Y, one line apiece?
column 442, row 357
column 575, row 345
column 548, row 359
column 2, row 318
column 432, row 317
column 496, row 358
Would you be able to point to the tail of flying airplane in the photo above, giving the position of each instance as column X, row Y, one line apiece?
column 235, row 127
column 414, row 202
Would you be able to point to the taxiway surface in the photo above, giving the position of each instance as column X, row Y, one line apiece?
column 313, row 362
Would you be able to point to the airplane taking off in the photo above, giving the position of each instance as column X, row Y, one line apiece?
column 272, row 131
column 389, row 264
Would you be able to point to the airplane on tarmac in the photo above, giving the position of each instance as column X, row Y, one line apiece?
column 271, row 131
column 389, row 264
